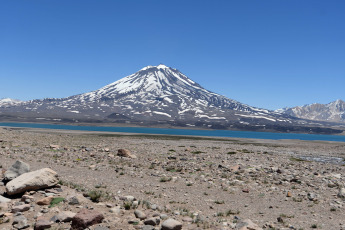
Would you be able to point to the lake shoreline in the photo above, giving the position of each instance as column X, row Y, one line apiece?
column 181, row 132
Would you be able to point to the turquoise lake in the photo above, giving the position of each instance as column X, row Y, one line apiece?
column 188, row 132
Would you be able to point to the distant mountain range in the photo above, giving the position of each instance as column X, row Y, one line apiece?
column 155, row 95
column 6, row 102
column 331, row 112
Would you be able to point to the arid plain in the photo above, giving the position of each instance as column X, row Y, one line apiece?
column 203, row 183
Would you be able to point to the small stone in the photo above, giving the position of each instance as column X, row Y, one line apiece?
column 47, row 194
column 152, row 221
column 55, row 147
column 163, row 216
column 116, row 210
column 27, row 197
column 171, row 224
column 17, row 169
column 245, row 190
column 125, row 153
column 289, row 194
column 140, row 214
column 45, row 201
column 20, row 208
column 101, row 228
column 42, row 223
column 20, row 222
column 76, row 199
column 187, row 219
column 148, row 227
column 312, row 196
column 247, row 225
column 65, row 216
column 341, row 193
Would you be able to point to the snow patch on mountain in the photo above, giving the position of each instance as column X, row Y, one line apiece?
column 9, row 102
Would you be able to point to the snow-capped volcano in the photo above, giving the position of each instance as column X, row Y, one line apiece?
column 331, row 112
column 153, row 95
column 162, row 84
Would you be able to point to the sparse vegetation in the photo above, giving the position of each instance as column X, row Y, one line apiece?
column 197, row 152
column 231, row 153
column 165, row 179
column 55, row 201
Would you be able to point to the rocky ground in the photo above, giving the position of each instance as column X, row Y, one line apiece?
column 200, row 183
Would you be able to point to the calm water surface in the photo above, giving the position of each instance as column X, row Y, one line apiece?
column 191, row 132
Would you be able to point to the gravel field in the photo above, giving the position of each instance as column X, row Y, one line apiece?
column 215, row 182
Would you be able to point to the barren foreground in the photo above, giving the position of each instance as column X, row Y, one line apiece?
column 205, row 183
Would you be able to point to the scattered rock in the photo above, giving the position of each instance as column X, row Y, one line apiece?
column 54, row 147
column 341, row 193
column 35, row 180
column 42, row 223
column 65, row 216
column 140, row 214
column 125, row 153
column 148, row 227
column 17, row 169
column 116, row 210
column 45, row 201
column 247, row 225
column 76, row 199
column 85, row 218
column 20, row 208
column 171, row 224
column 20, row 222
column 4, row 199
column 152, row 221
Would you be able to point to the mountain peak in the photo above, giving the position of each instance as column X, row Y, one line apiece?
column 339, row 101
column 160, row 66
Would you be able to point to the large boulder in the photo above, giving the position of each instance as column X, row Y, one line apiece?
column 35, row 180
column 17, row 169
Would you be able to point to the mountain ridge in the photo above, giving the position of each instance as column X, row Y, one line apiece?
column 153, row 95
column 330, row 112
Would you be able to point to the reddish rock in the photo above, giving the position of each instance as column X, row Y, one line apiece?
column 85, row 218
column 45, row 201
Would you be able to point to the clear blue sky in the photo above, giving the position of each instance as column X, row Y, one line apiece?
column 268, row 54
